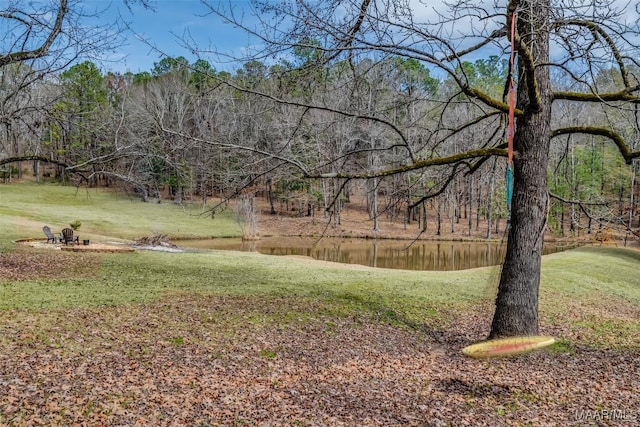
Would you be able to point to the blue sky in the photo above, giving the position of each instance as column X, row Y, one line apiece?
column 162, row 28
column 175, row 19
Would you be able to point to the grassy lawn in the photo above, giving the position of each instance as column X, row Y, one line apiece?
column 26, row 207
column 230, row 338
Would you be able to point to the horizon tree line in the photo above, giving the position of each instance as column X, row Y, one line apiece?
column 112, row 129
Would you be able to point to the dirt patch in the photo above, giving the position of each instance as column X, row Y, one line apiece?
column 91, row 247
column 97, row 247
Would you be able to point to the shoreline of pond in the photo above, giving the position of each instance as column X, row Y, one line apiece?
column 403, row 254
column 578, row 241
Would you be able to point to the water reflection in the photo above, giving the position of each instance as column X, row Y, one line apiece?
column 422, row 255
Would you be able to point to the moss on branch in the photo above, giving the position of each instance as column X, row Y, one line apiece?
column 31, row 158
column 44, row 159
column 421, row 164
column 625, row 95
column 617, row 139
column 488, row 100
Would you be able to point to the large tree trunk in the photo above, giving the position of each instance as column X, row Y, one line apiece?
column 517, row 300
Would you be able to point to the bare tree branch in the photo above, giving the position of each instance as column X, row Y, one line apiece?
column 599, row 32
column 617, row 139
column 41, row 50
column 625, row 95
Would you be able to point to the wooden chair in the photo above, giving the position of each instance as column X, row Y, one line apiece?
column 50, row 236
column 67, row 236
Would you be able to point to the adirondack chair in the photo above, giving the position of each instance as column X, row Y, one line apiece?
column 67, row 236
column 50, row 236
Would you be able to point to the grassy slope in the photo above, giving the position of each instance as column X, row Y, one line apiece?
column 26, row 207
column 594, row 290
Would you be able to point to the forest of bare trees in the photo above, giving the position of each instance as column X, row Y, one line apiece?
column 179, row 131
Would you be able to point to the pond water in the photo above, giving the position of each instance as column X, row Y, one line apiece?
column 398, row 254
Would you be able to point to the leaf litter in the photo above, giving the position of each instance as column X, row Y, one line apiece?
column 216, row 360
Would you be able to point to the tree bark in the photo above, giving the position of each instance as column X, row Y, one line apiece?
column 272, row 209
column 517, row 300
column 470, row 202
column 424, row 217
column 489, row 214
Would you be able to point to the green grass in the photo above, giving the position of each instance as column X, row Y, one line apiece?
column 582, row 289
column 397, row 296
column 26, row 207
column 594, row 269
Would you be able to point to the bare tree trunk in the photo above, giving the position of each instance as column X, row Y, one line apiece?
column 573, row 186
column 337, row 203
column 325, row 198
column 490, row 205
column 247, row 217
column 376, row 226
column 439, row 217
column 470, row 201
column 272, row 209
column 424, row 217
column 632, row 200
column 517, row 300
column 451, row 210
column 178, row 195
column 372, row 201
column 38, row 174
column 478, row 204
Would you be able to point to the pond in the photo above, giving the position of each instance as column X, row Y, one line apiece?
column 397, row 254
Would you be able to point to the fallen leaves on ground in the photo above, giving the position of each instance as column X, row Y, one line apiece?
column 219, row 360
column 29, row 264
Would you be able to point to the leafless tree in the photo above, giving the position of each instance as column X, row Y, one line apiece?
column 39, row 40
column 585, row 37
